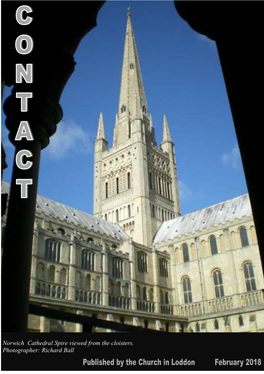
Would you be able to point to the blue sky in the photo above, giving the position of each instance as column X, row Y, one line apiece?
column 182, row 78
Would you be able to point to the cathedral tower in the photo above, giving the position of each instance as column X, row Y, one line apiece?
column 135, row 181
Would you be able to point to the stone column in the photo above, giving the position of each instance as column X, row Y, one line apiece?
column 54, row 64
column 17, row 244
column 133, row 296
column 17, row 247
column 175, row 296
column 156, row 281
column 133, row 293
column 201, row 274
column 34, row 260
column 235, row 286
column 71, row 283
column 105, row 276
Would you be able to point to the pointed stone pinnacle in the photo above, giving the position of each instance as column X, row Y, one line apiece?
column 101, row 131
column 166, row 130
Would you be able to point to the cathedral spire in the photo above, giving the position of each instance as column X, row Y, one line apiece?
column 100, row 130
column 166, row 131
column 129, row 191
column 131, row 79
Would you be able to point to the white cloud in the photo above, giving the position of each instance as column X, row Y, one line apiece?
column 185, row 192
column 232, row 158
column 69, row 139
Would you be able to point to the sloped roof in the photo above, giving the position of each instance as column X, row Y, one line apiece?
column 76, row 217
column 214, row 215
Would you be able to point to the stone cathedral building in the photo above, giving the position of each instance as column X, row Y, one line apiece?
column 137, row 260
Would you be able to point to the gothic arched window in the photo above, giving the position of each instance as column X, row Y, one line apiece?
column 243, row 237
column 185, row 252
column 168, row 189
column 117, row 185
column 129, row 129
column 117, row 267
column 142, row 262
column 144, row 293
column 160, row 191
column 129, row 211
column 106, row 190
column 52, row 274
column 213, row 245
column 52, row 250
column 163, row 267
column 187, row 291
column 87, row 260
column 128, row 181
column 150, row 181
column 218, row 283
column 249, row 277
